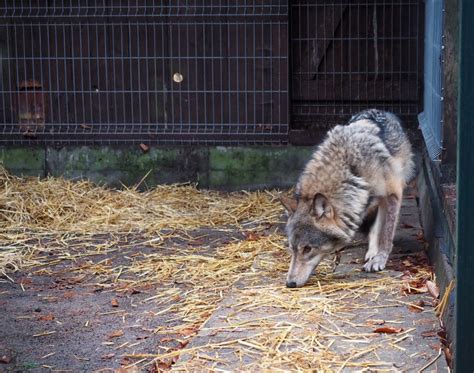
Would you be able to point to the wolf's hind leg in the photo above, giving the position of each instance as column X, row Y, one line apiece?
column 390, row 209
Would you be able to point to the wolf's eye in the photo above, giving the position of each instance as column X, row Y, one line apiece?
column 306, row 249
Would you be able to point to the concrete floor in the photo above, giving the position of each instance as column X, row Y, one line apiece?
column 63, row 317
column 242, row 338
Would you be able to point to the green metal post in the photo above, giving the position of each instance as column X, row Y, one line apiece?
column 464, row 360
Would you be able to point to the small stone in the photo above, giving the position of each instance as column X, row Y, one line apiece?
column 5, row 359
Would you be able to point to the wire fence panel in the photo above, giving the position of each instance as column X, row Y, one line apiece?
column 347, row 56
column 431, row 119
column 164, row 72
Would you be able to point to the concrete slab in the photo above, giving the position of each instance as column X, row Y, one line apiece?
column 340, row 321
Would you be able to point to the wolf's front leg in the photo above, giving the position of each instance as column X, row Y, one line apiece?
column 374, row 233
column 382, row 234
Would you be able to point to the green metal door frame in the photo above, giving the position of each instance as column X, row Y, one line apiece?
column 464, row 360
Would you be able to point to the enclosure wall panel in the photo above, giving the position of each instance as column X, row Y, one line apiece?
column 347, row 56
column 431, row 119
column 171, row 71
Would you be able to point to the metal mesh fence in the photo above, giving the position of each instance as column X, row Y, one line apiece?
column 167, row 72
column 431, row 119
column 347, row 56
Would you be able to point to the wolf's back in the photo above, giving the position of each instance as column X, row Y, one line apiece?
column 392, row 135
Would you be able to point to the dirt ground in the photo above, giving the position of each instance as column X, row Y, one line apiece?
column 134, row 301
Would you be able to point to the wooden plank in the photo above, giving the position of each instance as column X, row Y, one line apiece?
column 310, row 55
column 348, row 89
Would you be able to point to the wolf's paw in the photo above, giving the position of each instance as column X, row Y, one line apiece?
column 376, row 263
column 371, row 253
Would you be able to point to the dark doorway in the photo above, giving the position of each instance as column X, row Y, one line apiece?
column 347, row 56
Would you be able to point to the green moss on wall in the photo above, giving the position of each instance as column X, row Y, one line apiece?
column 24, row 161
column 211, row 167
column 255, row 167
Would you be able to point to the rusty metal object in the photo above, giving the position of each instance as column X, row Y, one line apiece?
column 30, row 106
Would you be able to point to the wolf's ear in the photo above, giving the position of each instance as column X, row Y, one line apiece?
column 288, row 203
column 322, row 207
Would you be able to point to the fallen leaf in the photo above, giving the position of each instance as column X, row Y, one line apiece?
column 373, row 322
column 408, row 289
column 196, row 242
column 252, row 236
column 443, row 335
column 163, row 365
column 206, row 314
column 144, row 147
column 433, row 289
column 107, row 356
column 115, row 334
column 449, row 356
column 188, row 331
column 388, row 330
column 114, row 302
column 407, row 263
column 166, row 339
column 25, row 281
column 49, row 317
column 69, row 294
column 183, row 344
column 126, row 370
column 416, row 307
column 424, row 322
column 5, row 359
column 429, row 333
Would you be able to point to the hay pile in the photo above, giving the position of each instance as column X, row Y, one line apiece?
column 65, row 211
column 59, row 205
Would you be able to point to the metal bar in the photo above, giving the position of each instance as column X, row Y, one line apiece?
column 464, row 358
column 206, row 86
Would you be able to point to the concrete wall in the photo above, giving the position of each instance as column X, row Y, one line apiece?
column 436, row 182
column 439, row 230
column 227, row 168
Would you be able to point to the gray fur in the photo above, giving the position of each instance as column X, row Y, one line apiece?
column 359, row 169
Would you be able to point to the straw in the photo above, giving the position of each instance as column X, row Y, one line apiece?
column 45, row 222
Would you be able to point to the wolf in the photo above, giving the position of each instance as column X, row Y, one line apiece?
column 354, row 179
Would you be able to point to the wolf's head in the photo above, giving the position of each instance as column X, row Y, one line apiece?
column 313, row 233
